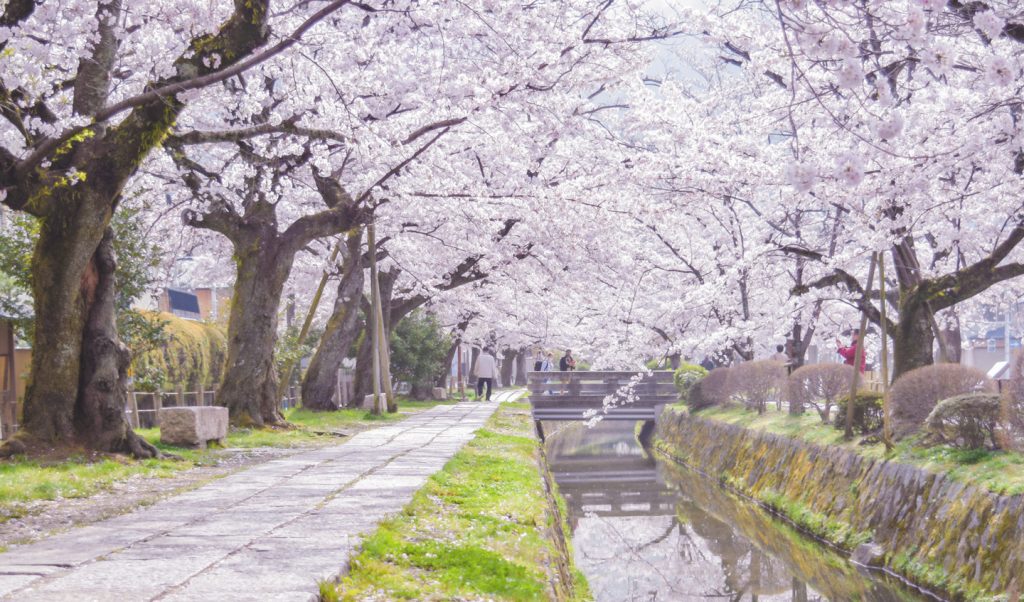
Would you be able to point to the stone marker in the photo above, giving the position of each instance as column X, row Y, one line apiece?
column 193, row 426
column 439, row 394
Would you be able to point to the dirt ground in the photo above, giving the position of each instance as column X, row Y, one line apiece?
column 47, row 517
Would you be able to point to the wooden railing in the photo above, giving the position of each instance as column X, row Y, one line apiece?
column 576, row 395
column 144, row 406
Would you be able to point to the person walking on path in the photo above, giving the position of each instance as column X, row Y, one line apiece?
column 849, row 353
column 485, row 369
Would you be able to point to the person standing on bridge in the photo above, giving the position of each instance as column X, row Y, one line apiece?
column 548, row 365
column 485, row 369
column 567, row 363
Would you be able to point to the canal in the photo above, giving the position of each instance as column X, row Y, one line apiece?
column 650, row 530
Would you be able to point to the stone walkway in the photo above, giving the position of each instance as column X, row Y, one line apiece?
column 267, row 533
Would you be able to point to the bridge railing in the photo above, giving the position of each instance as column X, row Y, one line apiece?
column 574, row 395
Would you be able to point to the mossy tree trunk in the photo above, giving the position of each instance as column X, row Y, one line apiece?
column 264, row 257
column 77, row 389
column 508, row 365
column 343, row 328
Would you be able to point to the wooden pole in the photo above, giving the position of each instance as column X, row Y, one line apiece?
column 858, row 356
column 385, row 359
column 372, row 320
column 886, row 427
column 134, row 405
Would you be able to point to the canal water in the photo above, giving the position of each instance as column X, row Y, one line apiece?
column 650, row 530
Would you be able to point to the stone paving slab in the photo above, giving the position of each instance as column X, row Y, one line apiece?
column 271, row 532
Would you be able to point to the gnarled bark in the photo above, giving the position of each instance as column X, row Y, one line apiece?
column 343, row 328
column 77, row 388
column 249, row 387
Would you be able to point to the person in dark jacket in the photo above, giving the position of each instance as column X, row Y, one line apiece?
column 567, row 363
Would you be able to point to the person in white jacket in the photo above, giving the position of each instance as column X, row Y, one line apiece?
column 485, row 369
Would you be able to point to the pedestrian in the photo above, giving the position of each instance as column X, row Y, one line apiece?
column 548, row 365
column 567, row 363
column 485, row 369
column 849, row 352
column 780, row 355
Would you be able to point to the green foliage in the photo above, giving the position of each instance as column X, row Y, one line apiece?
column 867, row 412
column 685, row 376
column 836, row 531
column 290, row 350
column 419, row 349
column 17, row 239
column 136, row 258
column 193, row 353
column 966, row 421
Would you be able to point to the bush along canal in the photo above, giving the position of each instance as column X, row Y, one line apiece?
column 489, row 526
column 959, row 540
column 646, row 528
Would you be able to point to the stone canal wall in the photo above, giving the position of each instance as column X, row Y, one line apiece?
column 939, row 533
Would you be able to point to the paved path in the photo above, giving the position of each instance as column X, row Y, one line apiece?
column 267, row 533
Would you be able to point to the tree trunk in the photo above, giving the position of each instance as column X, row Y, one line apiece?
column 508, row 364
column 343, row 328
column 912, row 340
column 523, row 366
column 249, row 387
column 78, row 386
column 953, row 336
column 103, row 392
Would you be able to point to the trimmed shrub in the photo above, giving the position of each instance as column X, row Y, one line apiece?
column 819, row 386
column 685, row 376
column 867, row 412
column 696, row 399
column 917, row 393
column 966, row 421
column 756, row 383
column 194, row 354
column 714, row 388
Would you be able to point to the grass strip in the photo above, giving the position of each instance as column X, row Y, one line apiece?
column 480, row 529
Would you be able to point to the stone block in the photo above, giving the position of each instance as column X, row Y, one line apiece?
column 439, row 394
column 193, row 426
column 868, row 554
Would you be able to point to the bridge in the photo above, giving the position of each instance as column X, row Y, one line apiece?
column 578, row 395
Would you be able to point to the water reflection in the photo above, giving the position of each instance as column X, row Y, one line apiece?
column 648, row 530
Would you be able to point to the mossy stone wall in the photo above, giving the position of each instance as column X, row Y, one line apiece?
column 936, row 532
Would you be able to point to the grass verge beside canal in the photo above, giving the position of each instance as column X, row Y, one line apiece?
column 998, row 471
column 23, row 481
column 484, row 527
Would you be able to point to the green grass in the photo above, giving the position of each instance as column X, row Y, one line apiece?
column 23, row 481
column 998, row 471
column 478, row 529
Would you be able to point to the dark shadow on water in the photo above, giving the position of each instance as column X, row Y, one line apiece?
column 649, row 530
